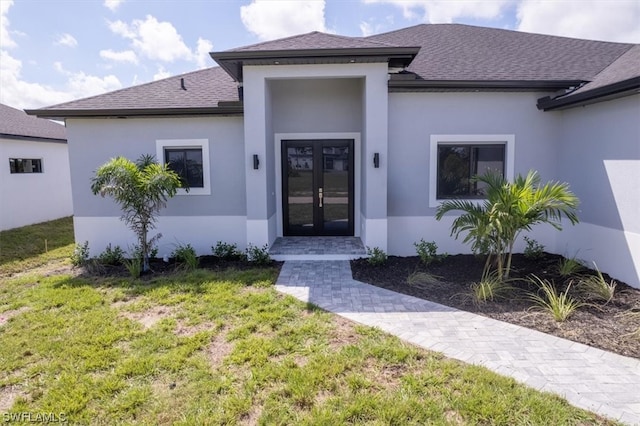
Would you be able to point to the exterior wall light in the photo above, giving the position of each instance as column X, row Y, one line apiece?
column 256, row 162
column 376, row 160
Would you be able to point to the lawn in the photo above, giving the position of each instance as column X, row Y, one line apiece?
column 35, row 245
column 224, row 347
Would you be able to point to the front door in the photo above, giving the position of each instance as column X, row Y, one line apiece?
column 317, row 187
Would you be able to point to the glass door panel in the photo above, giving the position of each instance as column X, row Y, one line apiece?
column 335, row 190
column 300, row 184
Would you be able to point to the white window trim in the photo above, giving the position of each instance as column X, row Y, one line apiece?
column 203, row 144
column 508, row 140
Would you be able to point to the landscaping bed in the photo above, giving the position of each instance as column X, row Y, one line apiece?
column 603, row 325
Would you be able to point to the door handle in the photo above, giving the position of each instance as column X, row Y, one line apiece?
column 320, row 196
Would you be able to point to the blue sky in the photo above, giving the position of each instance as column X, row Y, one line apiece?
column 55, row 51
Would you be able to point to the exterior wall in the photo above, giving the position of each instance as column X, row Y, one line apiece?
column 599, row 153
column 92, row 142
column 29, row 198
column 414, row 117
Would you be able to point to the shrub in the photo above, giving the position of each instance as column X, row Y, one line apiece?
column 258, row 255
column 186, row 257
column 377, row 256
column 569, row 266
column 596, row 287
column 226, row 251
column 80, row 255
column 428, row 251
column 133, row 265
column 533, row 250
column 491, row 287
column 111, row 256
column 559, row 305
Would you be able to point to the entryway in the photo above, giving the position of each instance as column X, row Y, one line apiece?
column 318, row 187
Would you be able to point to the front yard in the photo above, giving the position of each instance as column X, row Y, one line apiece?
column 223, row 347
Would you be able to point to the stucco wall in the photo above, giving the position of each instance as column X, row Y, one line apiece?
column 599, row 155
column 200, row 220
column 29, row 198
column 92, row 142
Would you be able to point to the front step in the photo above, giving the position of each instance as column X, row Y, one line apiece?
column 317, row 248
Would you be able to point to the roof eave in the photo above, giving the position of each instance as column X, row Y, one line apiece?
column 404, row 85
column 137, row 112
column 232, row 61
column 32, row 138
column 611, row 91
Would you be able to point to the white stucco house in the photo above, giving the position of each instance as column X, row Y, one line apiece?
column 35, row 183
column 320, row 134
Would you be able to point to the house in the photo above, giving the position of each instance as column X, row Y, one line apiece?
column 35, row 184
column 320, row 134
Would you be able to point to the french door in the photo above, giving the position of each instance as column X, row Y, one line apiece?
column 317, row 187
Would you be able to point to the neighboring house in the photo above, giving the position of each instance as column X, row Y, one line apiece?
column 35, row 185
column 322, row 134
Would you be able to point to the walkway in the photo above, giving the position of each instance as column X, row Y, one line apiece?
column 589, row 378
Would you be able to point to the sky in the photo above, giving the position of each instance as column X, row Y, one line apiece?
column 54, row 51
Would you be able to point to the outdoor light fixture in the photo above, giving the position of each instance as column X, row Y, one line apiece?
column 376, row 160
column 256, row 162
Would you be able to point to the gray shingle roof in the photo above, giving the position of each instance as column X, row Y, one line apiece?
column 204, row 89
column 448, row 53
column 626, row 67
column 468, row 53
column 314, row 40
column 14, row 122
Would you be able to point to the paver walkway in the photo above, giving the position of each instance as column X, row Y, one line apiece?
column 589, row 378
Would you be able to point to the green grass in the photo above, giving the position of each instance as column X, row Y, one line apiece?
column 226, row 348
column 203, row 347
column 35, row 245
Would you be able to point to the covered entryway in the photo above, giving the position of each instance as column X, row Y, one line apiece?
column 318, row 187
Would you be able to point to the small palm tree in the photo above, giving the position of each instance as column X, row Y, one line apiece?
column 494, row 225
column 141, row 189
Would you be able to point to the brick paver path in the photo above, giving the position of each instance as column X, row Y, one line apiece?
column 589, row 378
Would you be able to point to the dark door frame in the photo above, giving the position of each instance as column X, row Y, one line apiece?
column 317, row 182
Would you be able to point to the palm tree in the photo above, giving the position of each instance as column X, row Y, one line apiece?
column 494, row 225
column 141, row 189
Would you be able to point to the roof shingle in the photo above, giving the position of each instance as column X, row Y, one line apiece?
column 14, row 122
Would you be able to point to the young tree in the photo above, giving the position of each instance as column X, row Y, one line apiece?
column 494, row 224
column 141, row 189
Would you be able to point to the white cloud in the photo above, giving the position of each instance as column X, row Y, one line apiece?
column 610, row 20
column 159, row 41
column 366, row 29
column 271, row 19
column 67, row 39
column 162, row 73
column 447, row 11
column 122, row 56
column 113, row 4
column 22, row 94
column 5, row 39
column 202, row 53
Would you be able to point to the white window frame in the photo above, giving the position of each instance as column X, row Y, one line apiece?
column 508, row 141
column 202, row 144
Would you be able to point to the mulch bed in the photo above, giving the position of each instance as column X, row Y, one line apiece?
column 595, row 324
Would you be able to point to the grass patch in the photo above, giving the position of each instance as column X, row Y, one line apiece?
column 35, row 245
column 205, row 347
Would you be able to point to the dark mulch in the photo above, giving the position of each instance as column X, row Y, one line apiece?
column 595, row 324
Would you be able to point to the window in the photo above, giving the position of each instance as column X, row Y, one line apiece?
column 25, row 165
column 455, row 159
column 189, row 158
column 187, row 163
column 457, row 164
